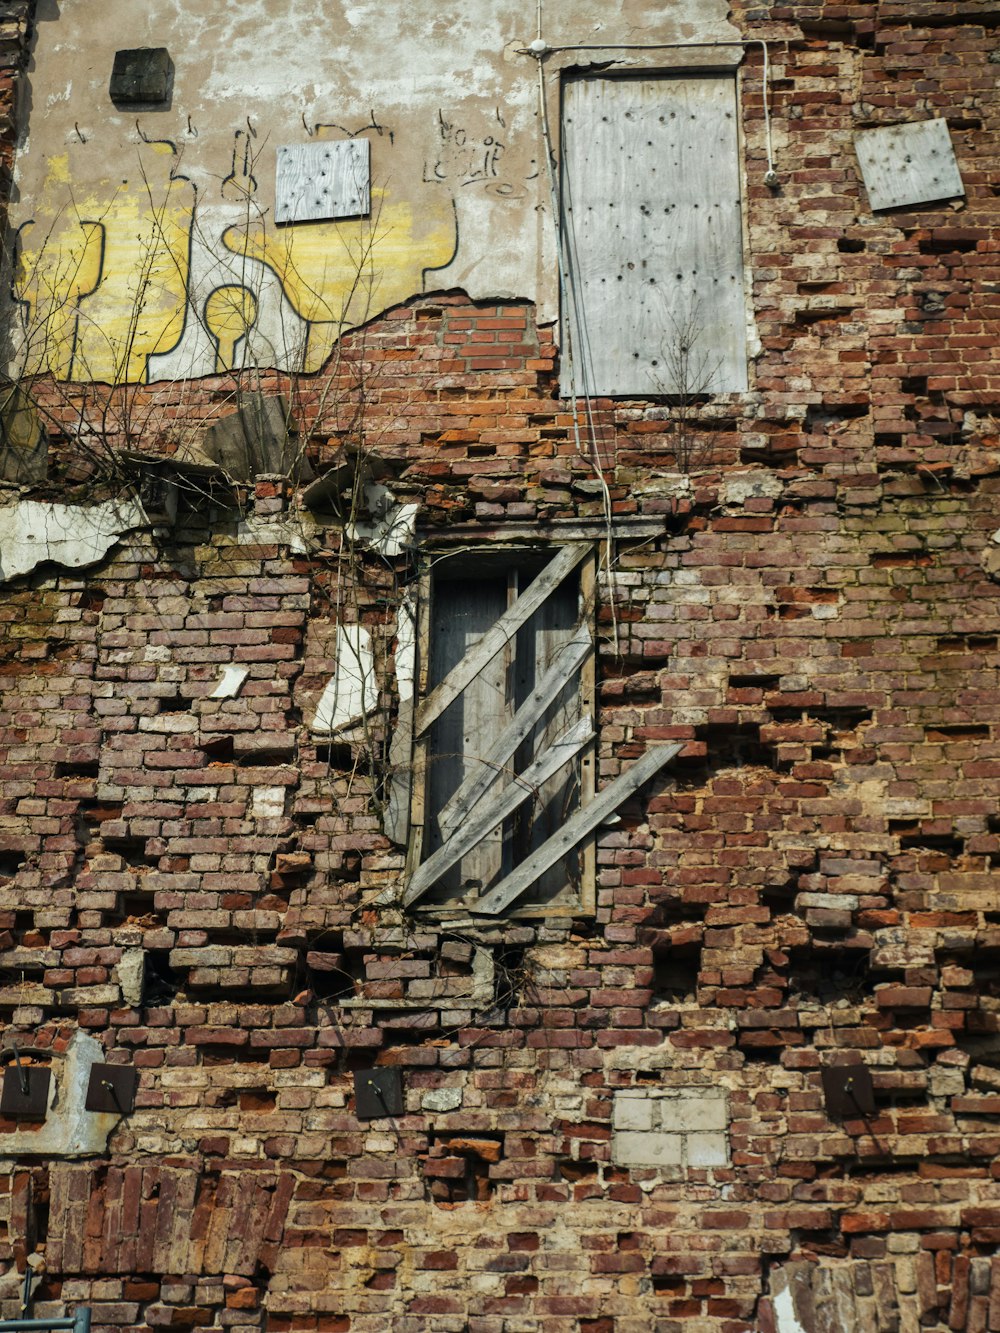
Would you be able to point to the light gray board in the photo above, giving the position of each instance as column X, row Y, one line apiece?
column 576, row 829
column 908, row 164
column 486, row 647
column 318, row 181
column 541, row 642
column 461, row 613
column 654, row 234
column 493, row 812
column 565, row 667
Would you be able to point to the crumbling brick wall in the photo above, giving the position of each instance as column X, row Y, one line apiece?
column 628, row 1129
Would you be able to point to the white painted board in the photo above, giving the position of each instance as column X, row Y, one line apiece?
column 319, row 181
column 908, row 164
column 654, row 235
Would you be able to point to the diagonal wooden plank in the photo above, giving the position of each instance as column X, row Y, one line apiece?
column 504, row 803
column 504, row 629
column 568, row 659
column 575, row 829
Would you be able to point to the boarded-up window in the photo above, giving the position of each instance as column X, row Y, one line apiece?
column 505, row 732
column 653, row 235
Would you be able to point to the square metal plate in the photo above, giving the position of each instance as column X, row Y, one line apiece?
column 112, row 1088
column 848, row 1091
column 378, row 1093
column 30, row 1105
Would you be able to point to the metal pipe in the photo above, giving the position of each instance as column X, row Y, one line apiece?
column 79, row 1323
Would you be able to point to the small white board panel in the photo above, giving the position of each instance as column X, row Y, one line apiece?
column 908, row 164
column 319, row 181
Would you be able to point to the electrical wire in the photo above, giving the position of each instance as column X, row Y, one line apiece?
column 574, row 339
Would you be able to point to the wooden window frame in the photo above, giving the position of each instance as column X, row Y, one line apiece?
column 581, row 559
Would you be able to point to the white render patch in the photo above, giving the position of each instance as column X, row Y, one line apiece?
column 670, row 1127
column 392, row 526
column 441, row 1099
column 268, row 802
column 352, row 692
column 406, row 645
column 319, row 181
column 231, row 682
column 261, row 530
column 33, row 532
column 908, row 164
column 69, row 1129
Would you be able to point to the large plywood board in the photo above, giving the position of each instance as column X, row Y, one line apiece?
column 654, row 235
column 319, row 181
column 908, row 164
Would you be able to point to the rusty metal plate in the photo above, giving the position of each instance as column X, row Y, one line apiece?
column 112, row 1089
column 27, row 1097
column 848, row 1091
column 378, row 1092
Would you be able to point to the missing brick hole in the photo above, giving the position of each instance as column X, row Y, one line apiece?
column 750, row 682
column 982, row 643
column 344, row 758
column 958, row 732
column 79, row 768
column 131, row 850
column 847, row 246
column 767, row 1048
column 173, row 703
column 160, row 983
column 11, row 862
column 92, row 599
column 218, row 748
column 828, row 975
column 675, row 975
column 332, row 975
column 509, row 977
column 732, row 747
column 950, row 844
column 457, row 1167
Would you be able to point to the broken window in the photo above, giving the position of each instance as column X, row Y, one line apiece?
column 653, row 235
column 504, row 730
column 502, row 811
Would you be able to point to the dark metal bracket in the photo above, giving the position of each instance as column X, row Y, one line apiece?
column 111, row 1089
column 848, row 1091
column 378, row 1093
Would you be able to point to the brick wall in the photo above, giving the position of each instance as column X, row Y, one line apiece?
column 810, row 607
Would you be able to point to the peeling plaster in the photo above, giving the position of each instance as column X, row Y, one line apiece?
column 231, row 682
column 785, row 1317
column 69, row 1130
column 263, row 531
column 392, row 527
column 33, row 532
column 352, row 692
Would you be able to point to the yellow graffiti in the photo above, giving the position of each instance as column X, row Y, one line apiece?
column 230, row 313
column 103, row 279
column 337, row 275
column 58, row 263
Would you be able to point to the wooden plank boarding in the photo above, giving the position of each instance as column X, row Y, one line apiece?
column 652, row 212
column 496, row 811
column 565, row 561
column 575, row 829
column 319, row 181
column 492, row 763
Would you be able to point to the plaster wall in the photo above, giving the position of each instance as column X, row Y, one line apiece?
column 170, row 209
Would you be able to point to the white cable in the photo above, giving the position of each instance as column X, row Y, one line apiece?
column 765, row 91
column 574, row 339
